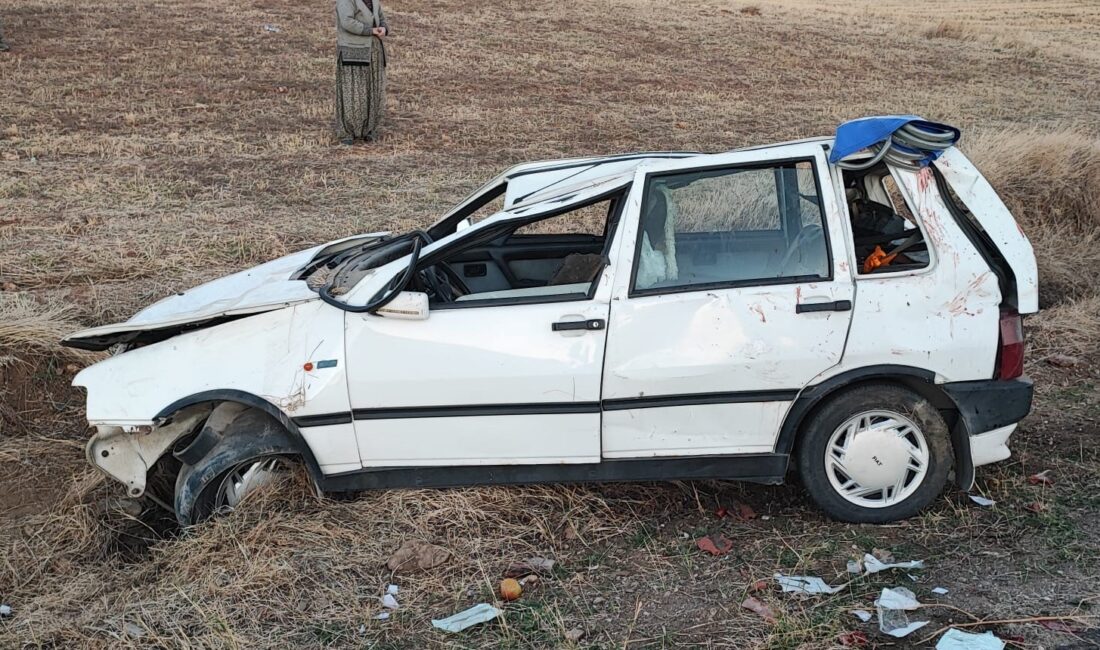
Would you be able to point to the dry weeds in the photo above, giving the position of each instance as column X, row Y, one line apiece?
column 138, row 165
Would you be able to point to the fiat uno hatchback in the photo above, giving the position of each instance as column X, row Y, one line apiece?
column 627, row 318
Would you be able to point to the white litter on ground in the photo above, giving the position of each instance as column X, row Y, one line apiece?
column 804, row 584
column 392, row 589
column 862, row 614
column 982, row 501
column 479, row 613
column 955, row 639
column 939, row 590
column 872, row 564
column 389, row 602
column 892, row 606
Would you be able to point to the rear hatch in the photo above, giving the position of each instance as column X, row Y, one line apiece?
column 992, row 228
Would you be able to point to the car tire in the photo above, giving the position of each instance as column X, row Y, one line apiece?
column 875, row 454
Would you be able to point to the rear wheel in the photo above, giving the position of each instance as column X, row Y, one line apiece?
column 875, row 454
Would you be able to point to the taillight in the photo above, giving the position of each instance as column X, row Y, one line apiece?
column 1010, row 355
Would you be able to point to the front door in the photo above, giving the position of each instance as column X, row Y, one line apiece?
column 499, row 375
column 738, row 294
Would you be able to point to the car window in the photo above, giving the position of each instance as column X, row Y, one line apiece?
column 886, row 237
column 589, row 220
column 747, row 225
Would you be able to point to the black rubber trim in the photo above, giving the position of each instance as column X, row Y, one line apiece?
column 322, row 420
column 757, row 468
column 248, row 399
column 811, row 396
column 659, row 401
column 547, row 408
column 987, row 405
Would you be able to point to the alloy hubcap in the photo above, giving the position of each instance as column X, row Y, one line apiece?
column 876, row 459
column 247, row 478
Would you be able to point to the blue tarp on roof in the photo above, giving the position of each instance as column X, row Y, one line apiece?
column 864, row 132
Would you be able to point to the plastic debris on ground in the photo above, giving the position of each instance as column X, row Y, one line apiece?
column 955, row 639
column 862, row 614
column 5, row 610
column 389, row 602
column 804, row 584
column 939, row 590
column 893, row 607
column 872, row 564
column 480, row 613
column 714, row 544
column 272, row 28
column 1042, row 478
column 982, row 501
column 760, row 609
column 382, row 616
column 529, row 566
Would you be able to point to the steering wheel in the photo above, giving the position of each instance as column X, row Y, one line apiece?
column 809, row 233
column 436, row 283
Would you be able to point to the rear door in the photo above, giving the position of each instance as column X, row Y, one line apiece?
column 737, row 294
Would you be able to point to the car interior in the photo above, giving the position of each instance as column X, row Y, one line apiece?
column 885, row 234
column 559, row 256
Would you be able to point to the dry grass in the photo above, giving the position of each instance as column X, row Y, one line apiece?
column 143, row 165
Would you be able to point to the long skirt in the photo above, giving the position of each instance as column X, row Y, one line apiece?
column 360, row 90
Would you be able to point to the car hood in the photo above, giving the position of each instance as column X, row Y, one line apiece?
column 259, row 289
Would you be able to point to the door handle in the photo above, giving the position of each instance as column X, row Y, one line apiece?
column 836, row 305
column 591, row 324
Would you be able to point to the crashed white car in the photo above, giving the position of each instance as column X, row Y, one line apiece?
column 635, row 317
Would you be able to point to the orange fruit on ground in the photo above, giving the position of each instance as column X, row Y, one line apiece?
column 510, row 589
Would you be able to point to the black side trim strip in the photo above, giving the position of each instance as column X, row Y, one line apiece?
column 740, row 397
column 323, row 419
column 757, row 468
column 549, row 408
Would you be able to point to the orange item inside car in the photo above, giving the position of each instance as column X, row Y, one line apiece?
column 877, row 258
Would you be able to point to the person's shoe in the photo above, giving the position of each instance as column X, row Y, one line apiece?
column 347, row 141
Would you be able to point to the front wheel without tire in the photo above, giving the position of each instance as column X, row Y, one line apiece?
column 875, row 454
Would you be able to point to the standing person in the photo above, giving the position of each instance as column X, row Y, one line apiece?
column 360, row 68
column 3, row 45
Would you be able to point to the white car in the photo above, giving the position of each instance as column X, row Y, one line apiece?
column 635, row 317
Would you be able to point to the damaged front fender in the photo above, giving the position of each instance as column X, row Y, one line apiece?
column 126, row 453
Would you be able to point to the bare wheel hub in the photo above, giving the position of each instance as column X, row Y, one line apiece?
column 247, row 478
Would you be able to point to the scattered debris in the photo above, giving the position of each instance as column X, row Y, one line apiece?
column 389, row 602
column 892, row 606
column 939, row 590
column 872, row 564
column 574, row 635
column 272, row 28
column 1063, row 361
column 982, row 501
column 134, row 630
column 759, row 585
column 392, row 589
column 1042, row 478
column 862, row 614
column 716, row 544
column 5, row 610
column 415, row 555
column 882, row 555
column 855, row 567
column 480, row 613
column 510, row 589
column 529, row 566
column 852, row 639
column 742, row 511
column 804, row 584
column 958, row 640
column 1054, row 626
column 381, row 616
column 759, row 608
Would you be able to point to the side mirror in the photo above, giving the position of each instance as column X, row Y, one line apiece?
column 408, row 305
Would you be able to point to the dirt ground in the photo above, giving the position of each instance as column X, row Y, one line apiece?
column 147, row 146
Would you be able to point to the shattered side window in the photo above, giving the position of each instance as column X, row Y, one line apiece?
column 886, row 237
